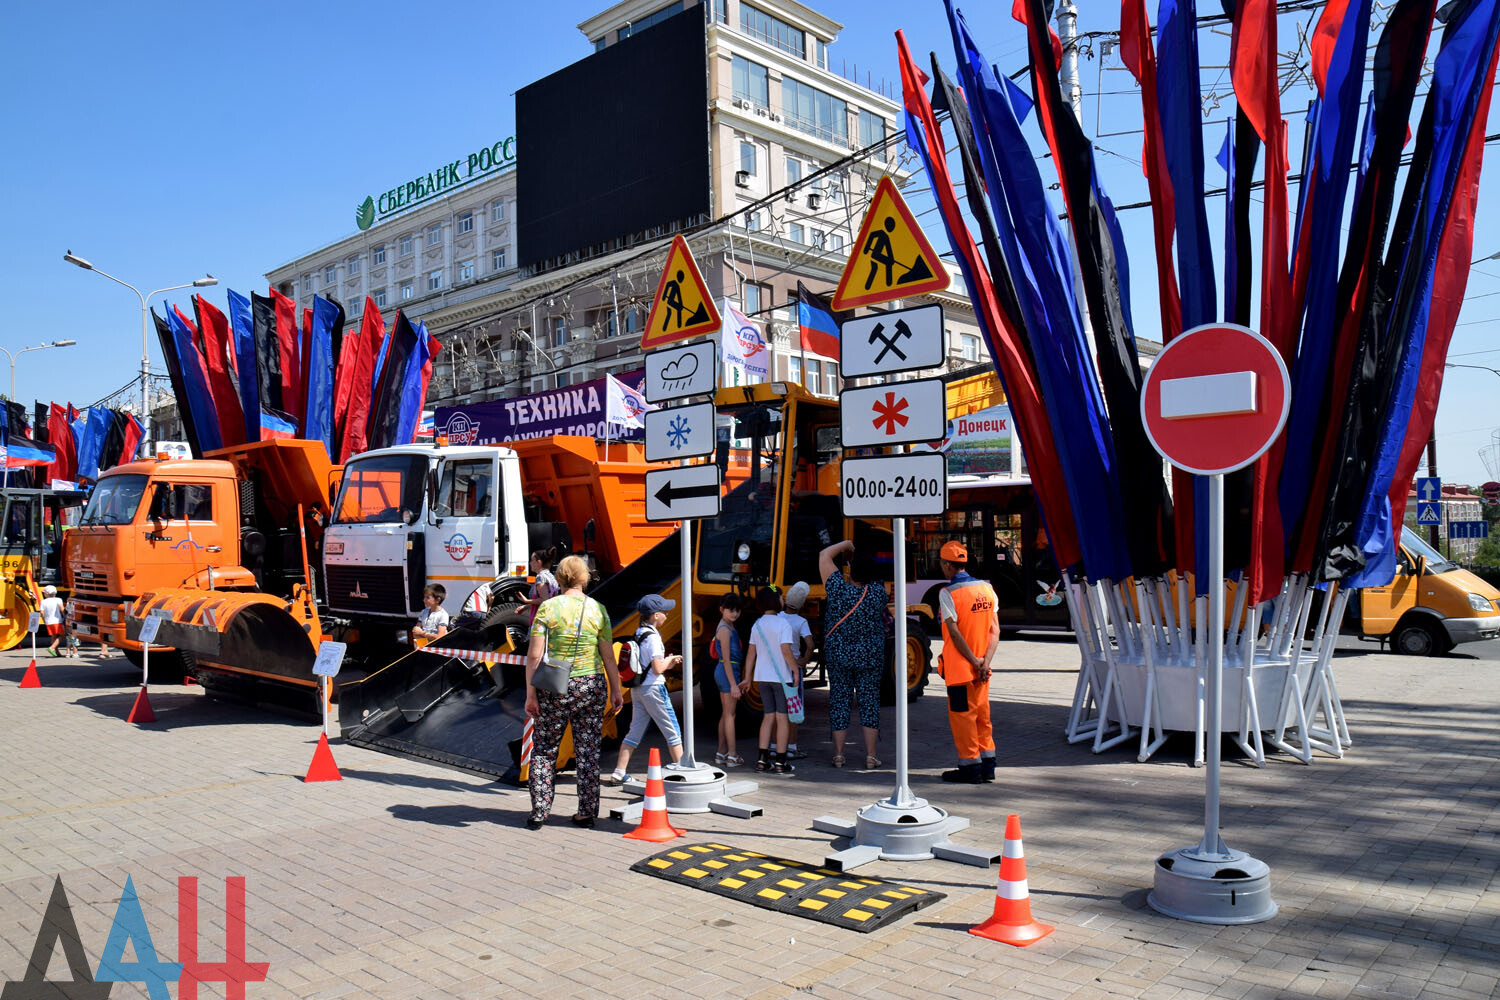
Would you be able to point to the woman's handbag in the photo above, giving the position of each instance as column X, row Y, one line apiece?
column 552, row 673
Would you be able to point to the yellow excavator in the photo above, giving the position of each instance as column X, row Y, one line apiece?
column 31, row 536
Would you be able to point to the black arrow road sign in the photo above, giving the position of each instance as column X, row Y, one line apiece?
column 682, row 494
column 668, row 492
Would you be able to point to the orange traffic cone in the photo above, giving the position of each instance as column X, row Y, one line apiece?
column 30, row 678
column 141, row 710
column 654, row 826
column 322, row 767
column 1011, row 922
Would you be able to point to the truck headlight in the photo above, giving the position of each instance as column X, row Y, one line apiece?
column 1480, row 603
column 333, row 548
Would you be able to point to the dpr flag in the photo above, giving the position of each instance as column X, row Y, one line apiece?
column 817, row 323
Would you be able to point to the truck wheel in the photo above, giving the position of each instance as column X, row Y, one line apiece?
column 1419, row 639
column 506, row 622
column 918, row 664
column 167, row 666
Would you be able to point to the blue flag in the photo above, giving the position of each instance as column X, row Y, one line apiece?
column 326, row 316
column 96, row 424
column 195, row 384
column 242, row 323
column 411, row 388
column 1180, row 104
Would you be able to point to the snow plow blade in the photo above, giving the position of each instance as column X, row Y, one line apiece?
column 460, row 706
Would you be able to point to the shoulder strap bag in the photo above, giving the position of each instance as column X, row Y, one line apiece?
column 851, row 611
column 553, row 672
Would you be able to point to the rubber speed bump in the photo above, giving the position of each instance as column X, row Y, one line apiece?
column 787, row 886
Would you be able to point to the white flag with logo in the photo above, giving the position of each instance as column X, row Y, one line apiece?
column 743, row 345
column 625, row 407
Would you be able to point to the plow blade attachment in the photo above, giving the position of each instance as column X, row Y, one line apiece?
column 442, row 709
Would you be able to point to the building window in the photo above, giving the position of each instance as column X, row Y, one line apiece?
column 831, row 369
column 405, row 246
column 559, row 331
column 406, row 290
column 330, row 275
column 379, row 298
column 435, row 234
column 794, row 233
column 814, row 377
column 820, row 53
column 818, row 238
column 377, row 255
column 794, row 370
column 757, row 297
column 562, row 380
column 835, row 193
column 355, row 305
column 307, row 284
column 718, row 12
column 753, row 221
column 750, row 83
column 809, row 110
column 351, row 266
column 466, row 270
column 747, row 158
column 466, row 222
column 871, row 129
column 835, row 241
column 497, row 212
column 435, row 280
column 969, row 345
column 497, row 259
column 793, row 170
column 599, row 44
column 773, row 31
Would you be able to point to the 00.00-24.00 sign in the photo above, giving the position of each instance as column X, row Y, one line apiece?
column 899, row 488
column 894, row 486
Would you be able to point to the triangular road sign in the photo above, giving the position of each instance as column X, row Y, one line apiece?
column 892, row 258
column 683, row 307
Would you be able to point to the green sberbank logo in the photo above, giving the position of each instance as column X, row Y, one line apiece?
column 451, row 175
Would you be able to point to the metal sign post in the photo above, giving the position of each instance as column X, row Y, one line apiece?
column 1214, row 400
column 149, row 627
column 685, row 493
column 32, row 624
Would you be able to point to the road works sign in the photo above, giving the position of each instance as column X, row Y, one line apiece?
column 894, row 413
column 892, row 258
column 682, row 494
column 1215, row 399
column 683, row 307
column 888, row 343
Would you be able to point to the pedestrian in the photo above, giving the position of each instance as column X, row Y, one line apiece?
column 652, row 700
column 432, row 623
column 853, row 646
column 971, row 635
column 796, row 600
column 543, row 582
column 52, row 617
column 726, row 648
column 573, row 631
column 769, row 663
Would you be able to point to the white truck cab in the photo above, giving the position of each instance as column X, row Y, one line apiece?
column 415, row 515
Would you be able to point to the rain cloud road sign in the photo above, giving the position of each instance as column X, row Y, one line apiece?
column 679, row 372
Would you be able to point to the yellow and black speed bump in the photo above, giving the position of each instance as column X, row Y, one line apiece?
column 837, row 898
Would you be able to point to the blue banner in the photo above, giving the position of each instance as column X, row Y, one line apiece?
column 319, row 362
column 242, row 325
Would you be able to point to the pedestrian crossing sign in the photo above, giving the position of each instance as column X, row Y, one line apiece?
column 1427, row 513
column 683, row 307
column 891, row 258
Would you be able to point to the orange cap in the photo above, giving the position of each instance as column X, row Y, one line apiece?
column 954, row 552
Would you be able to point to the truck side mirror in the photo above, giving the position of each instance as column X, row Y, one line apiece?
column 1421, row 566
column 161, row 503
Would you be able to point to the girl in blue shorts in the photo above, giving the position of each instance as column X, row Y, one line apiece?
column 730, row 654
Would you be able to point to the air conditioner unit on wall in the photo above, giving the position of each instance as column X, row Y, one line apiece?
column 813, row 200
column 762, row 112
column 742, row 178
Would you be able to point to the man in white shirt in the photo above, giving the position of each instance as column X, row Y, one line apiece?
column 771, row 664
column 796, row 600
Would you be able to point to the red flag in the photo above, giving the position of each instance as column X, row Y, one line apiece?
column 1448, row 283
column 133, row 434
column 1007, row 349
column 60, row 434
column 355, row 378
column 217, row 351
column 432, row 351
column 288, row 341
column 1018, row 11
column 306, row 342
column 1324, row 37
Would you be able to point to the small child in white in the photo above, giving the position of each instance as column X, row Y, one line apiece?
column 52, row 618
column 432, row 623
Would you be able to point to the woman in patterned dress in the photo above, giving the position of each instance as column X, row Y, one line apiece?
column 853, row 645
column 576, row 628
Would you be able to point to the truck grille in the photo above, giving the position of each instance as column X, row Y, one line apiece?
column 88, row 582
column 384, row 585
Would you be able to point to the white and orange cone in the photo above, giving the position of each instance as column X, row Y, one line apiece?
column 654, row 825
column 1012, row 922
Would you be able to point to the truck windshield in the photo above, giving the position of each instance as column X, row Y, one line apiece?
column 383, row 489
column 1417, row 546
column 115, row 500
column 749, row 455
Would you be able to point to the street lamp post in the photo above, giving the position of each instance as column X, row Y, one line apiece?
column 203, row 282
column 12, row 359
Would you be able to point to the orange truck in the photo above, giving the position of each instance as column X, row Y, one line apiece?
column 255, row 554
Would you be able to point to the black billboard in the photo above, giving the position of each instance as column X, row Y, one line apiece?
column 615, row 146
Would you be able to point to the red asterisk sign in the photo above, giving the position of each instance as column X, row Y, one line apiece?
column 889, row 412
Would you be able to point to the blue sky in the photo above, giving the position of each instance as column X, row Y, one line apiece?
column 165, row 140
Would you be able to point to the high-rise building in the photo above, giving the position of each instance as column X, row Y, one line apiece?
column 535, row 260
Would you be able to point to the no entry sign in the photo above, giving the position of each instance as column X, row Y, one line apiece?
column 1215, row 399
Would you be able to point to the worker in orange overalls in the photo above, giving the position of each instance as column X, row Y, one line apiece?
column 971, row 634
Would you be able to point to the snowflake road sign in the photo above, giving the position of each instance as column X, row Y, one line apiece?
column 680, row 432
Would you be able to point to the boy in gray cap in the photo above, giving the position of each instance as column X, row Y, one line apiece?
column 796, row 600
column 651, row 700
